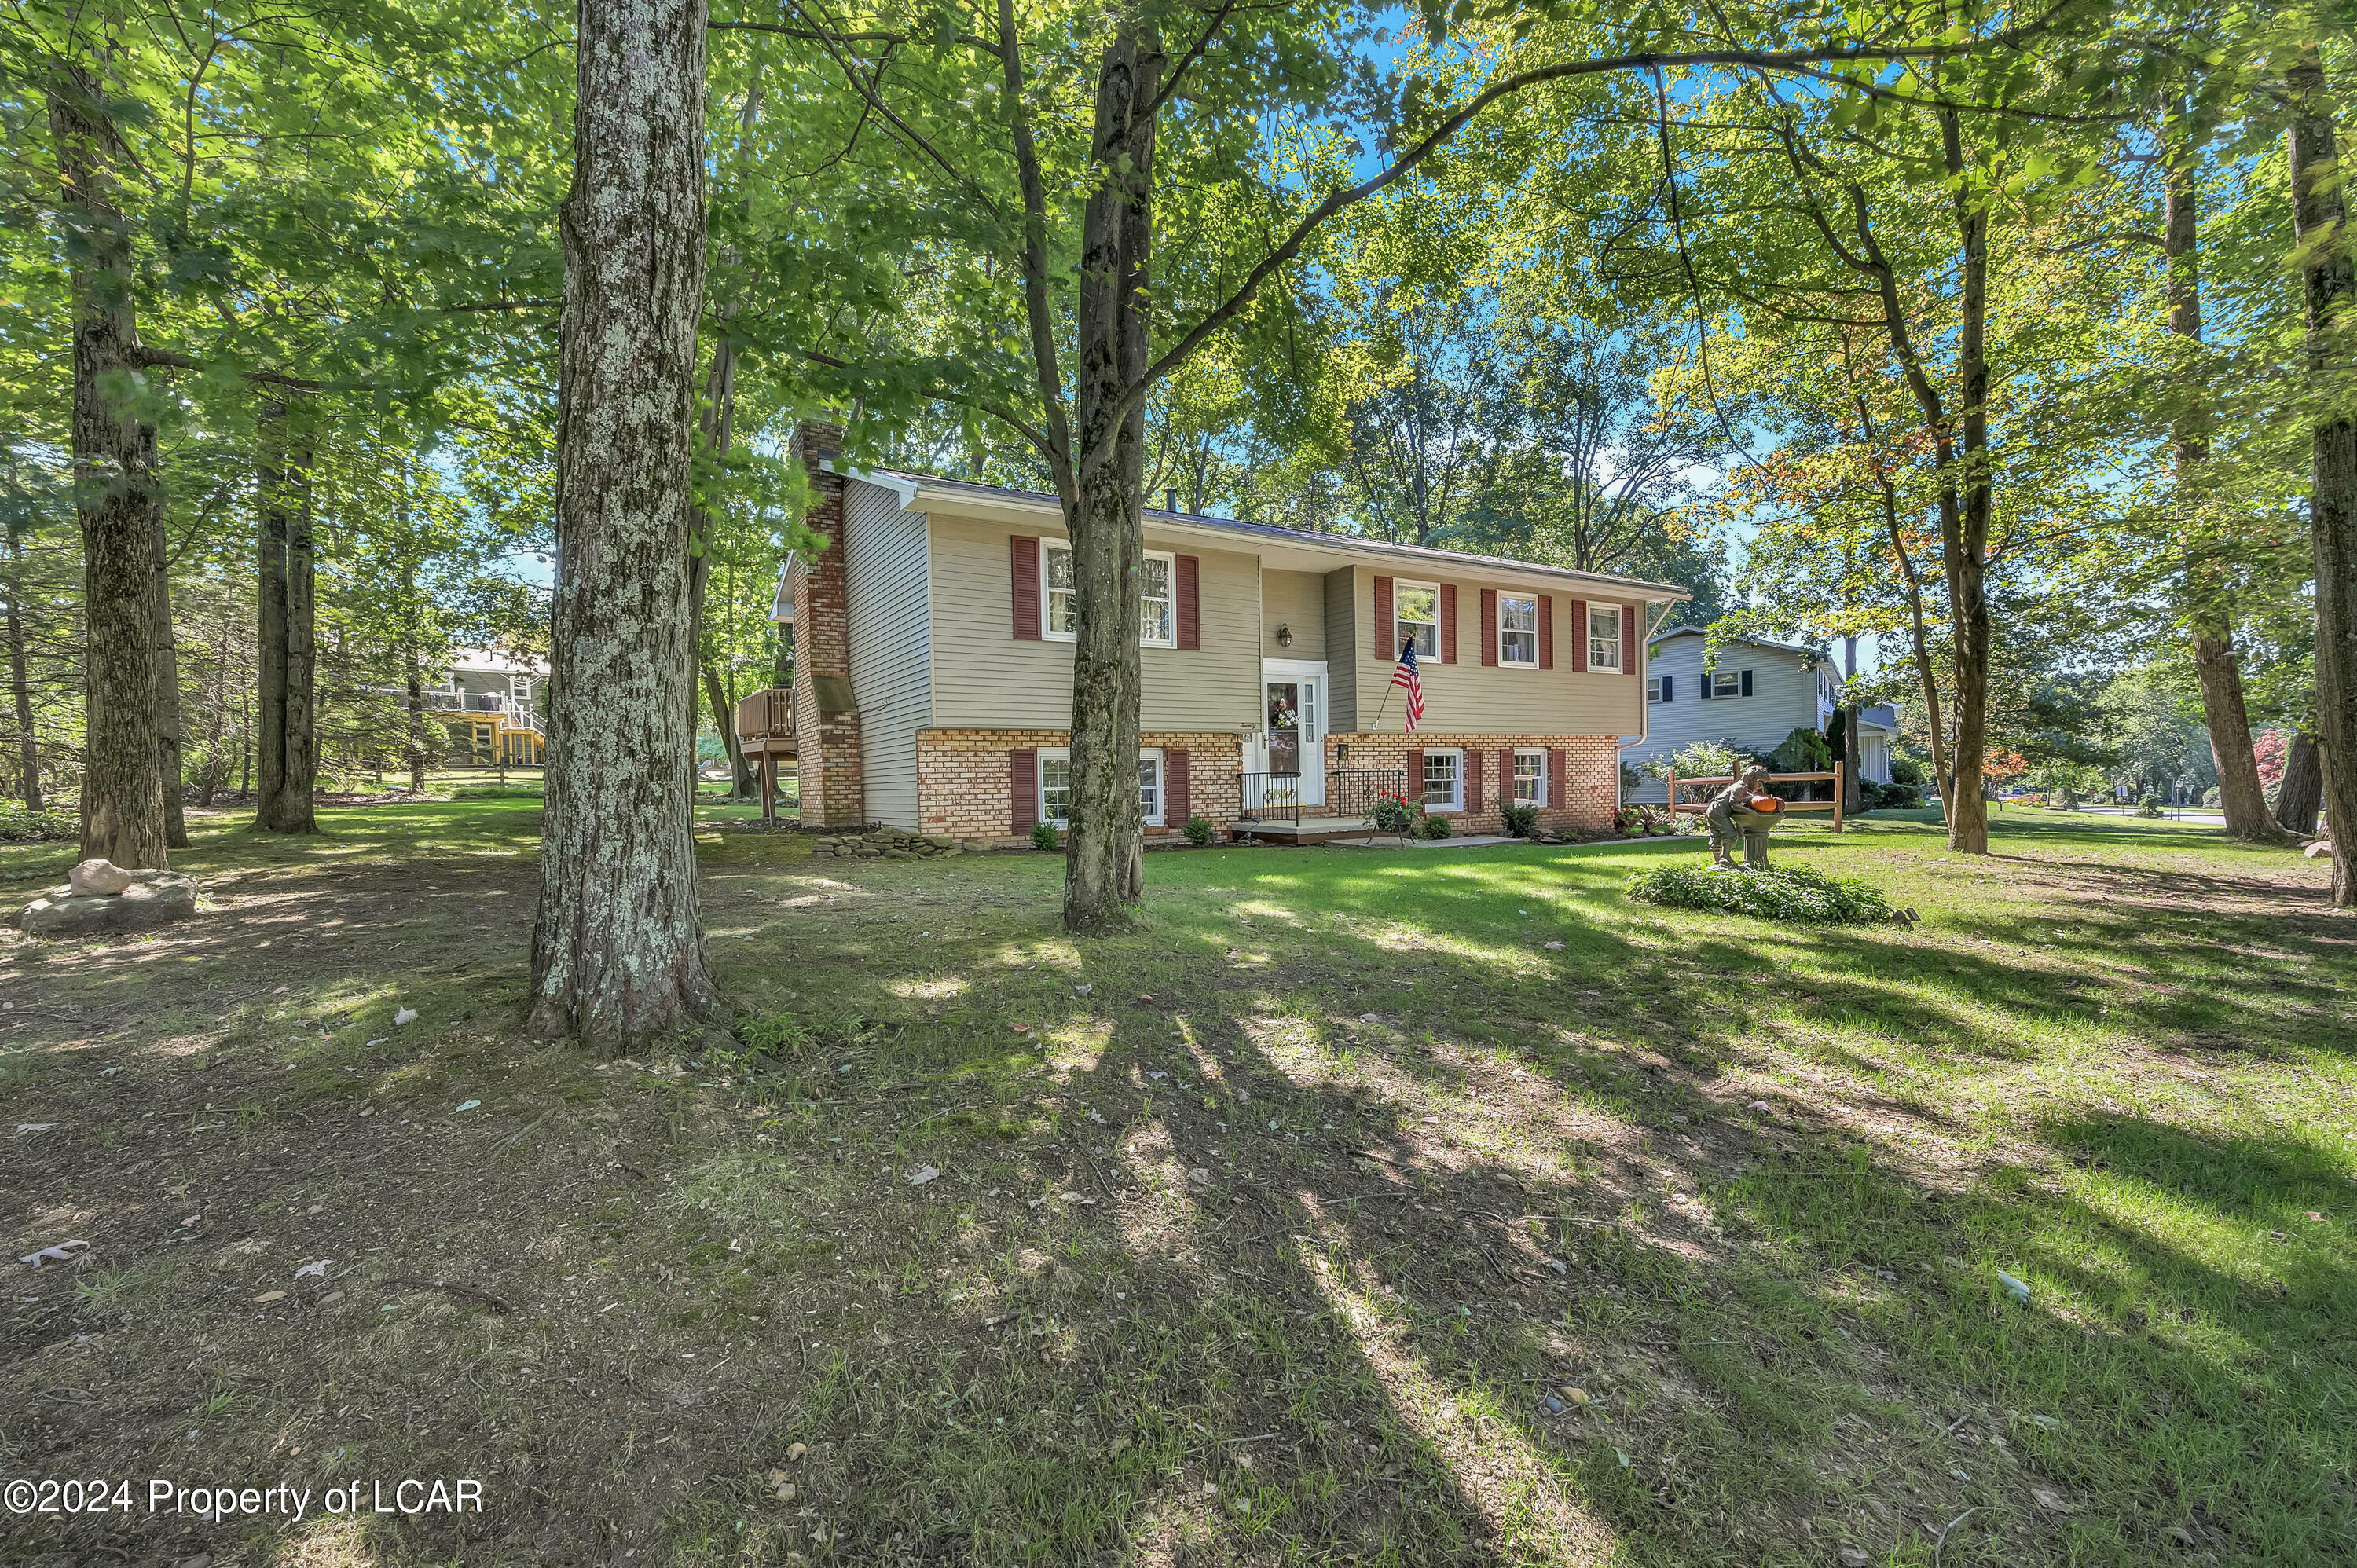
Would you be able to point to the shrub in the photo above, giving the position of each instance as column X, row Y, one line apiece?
column 1698, row 759
column 1044, row 836
column 1629, row 819
column 2210, row 796
column 1436, row 828
column 2148, row 806
column 1803, row 751
column 1795, row 895
column 1891, row 796
column 1521, row 821
column 1199, row 831
column 18, row 825
column 1907, row 770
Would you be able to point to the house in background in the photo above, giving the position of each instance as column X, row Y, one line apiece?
column 487, row 704
column 933, row 669
column 1759, row 693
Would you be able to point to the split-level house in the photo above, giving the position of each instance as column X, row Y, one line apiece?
column 487, row 704
column 1756, row 693
column 933, row 668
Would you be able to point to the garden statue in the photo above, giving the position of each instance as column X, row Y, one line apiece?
column 1743, row 808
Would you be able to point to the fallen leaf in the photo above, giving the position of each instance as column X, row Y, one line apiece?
column 270, row 1295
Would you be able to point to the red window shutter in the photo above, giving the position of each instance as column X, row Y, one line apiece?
column 1448, row 623
column 1554, row 777
column 1472, row 780
column 1546, row 631
column 1490, row 627
column 1191, row 596
column 1025, row 566
column 1177, row 805
column 1415, row 776
column 1580, row 635
column 1023, row 787
column 1385, row 647
column 1628, row 661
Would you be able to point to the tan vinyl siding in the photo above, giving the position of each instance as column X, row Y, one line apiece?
column 884, row 579
column 1470, row 698
column 1348, row 638
column 984, row 678
column 1297, row 600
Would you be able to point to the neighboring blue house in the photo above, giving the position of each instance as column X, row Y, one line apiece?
column 1760, row 693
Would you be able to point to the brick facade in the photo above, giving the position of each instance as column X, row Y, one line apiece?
column 826, row 720
column 1591, row 774
column 964, row 782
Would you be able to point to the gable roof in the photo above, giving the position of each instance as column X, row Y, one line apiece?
column 913, row 490
column 1667, row 633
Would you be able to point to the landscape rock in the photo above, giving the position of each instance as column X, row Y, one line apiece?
column 103, row 876
column 158, row 898
column 892, row 844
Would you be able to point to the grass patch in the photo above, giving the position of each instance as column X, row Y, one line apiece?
column 1360, row 1206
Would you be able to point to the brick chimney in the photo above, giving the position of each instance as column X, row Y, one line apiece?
column 826, row 741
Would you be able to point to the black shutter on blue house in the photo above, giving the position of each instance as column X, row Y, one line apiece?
column 1707, row 679
column 1665, row 687
column 1747, row 683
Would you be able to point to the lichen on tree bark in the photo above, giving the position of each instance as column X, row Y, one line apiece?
column 618, row 950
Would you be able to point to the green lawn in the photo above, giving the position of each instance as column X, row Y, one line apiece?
column 1265, row 1234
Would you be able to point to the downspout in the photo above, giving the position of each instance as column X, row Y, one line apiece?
column 1645, row 705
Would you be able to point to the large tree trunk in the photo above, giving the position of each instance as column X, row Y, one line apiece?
column 1964, row 544
column 289, row 664
column 618, row 952
column 2209, row 617
column 2300, row 794
column 28, row 743
column 1105, row 851
column 116, row 499
column 167, row 697
column 2329, row 276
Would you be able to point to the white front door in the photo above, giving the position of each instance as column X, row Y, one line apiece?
column 1294, row 724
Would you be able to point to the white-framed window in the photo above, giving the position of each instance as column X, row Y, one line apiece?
column 1157, row 601
column 1059, row 614
column 1443, row 780
column 1530, row 779
column 1604, row 636
column 520, row 690
column 1416, row 613
column 1518, row 631
column 1056, row 786
column 1149, row 786
column 1725, row 682
column 1652, row 688
column 1158, row 597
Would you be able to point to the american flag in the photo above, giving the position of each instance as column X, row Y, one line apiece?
column 1403, row 675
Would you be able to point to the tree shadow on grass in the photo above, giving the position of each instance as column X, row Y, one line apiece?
column 1362, row 1303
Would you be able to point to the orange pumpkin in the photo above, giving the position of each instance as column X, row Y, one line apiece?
column 1766, row 804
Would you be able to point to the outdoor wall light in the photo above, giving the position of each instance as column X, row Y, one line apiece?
column 1284, row 637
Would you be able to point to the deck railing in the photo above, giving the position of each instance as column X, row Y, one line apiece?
column 1269, row 797
column 1352, row 791
column 766, row 714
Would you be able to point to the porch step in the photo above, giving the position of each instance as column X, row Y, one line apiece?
column 1308, row 830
